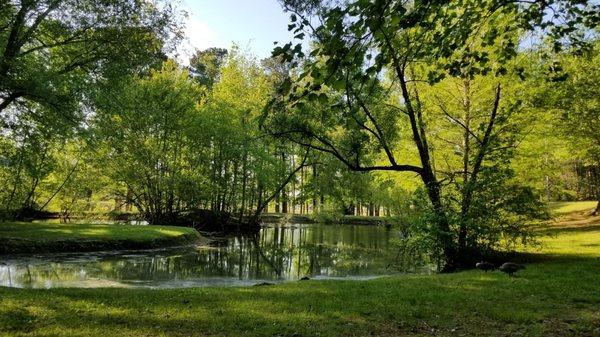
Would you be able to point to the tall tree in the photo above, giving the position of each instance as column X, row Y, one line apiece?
column 53, row 56
column 572, row 88
column 206, row 65
column 360, row 43
column 146, row 137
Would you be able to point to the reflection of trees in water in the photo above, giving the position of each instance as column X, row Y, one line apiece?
column 5, row 275
column 326, row 250
column 279, row 252
column 28, row 274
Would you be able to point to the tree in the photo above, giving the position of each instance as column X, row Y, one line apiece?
column 146, row 137
column 359, row 44
column 573, row 90
column 47, row 45
column 54, row 55
column 182, row 152
column 206, row 65
column 247, row 169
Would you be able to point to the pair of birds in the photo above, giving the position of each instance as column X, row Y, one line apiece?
column 508, row 267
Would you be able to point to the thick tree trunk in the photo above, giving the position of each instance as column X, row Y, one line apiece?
column 444, row 235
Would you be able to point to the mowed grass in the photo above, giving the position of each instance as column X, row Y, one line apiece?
column 27, row 237
column 565, row 207
column 557, row 295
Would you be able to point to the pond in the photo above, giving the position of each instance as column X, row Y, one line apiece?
column 277, row 253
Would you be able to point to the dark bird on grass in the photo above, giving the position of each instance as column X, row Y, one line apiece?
column 485, row 266
column 305, row 278
column 510, row 268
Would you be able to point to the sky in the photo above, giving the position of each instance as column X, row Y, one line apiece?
column 251, row 24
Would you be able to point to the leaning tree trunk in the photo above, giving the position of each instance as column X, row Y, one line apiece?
column 443, row 232
column 255, row 218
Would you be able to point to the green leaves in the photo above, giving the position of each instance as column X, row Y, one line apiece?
column 149, row 150
column 206, row 65
column 380, row 64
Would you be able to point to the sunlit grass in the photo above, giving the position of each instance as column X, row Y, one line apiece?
column 582, row 244
column 39, row 237
column 50, row 231
column 546, row 299
column 564, row 207
column 557, row 295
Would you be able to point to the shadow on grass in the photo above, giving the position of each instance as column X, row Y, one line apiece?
column 558, row 297
column 574, row 229
column 554, row 298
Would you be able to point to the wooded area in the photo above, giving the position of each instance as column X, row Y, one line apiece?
column 466, row 115
column 392, row 168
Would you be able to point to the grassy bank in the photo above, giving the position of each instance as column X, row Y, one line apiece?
column 566, row 207
column 557, row 295
column 26, row 237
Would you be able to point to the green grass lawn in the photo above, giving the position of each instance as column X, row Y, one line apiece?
column 27, row 237
column 557, row 295
column 565, row 207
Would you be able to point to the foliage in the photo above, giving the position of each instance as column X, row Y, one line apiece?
column 176, row 146
column 206, row 65
column 54, row 54
column 368, row 92
column 577, row 99
column 146, row 141
column 51, row 47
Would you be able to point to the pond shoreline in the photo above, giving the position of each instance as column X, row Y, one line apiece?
column 268, row 218
column 12, row 246
column 38, row 238
column 277, row 253
column 352, row 220
column 19, row 242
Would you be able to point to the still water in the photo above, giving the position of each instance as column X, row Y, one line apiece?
column 277, row 253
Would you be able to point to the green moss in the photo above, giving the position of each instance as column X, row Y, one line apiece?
column 26, row 237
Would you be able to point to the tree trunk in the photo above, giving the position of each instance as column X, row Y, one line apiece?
column 314, row 196
column 284, row 203
column 417, row 124
column 462, row 233
column 443, row 233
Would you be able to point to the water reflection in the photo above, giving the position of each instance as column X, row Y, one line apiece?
column 277, row 253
